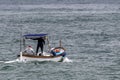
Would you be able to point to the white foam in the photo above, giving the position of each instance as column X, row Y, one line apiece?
column 1, row 61
column 13, row 61
column 66, row 59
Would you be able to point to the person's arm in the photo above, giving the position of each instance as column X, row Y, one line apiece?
column 35, row 39
column 44, row 41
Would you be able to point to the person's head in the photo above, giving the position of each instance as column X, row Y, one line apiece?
column 57, row 50
column 30, row 46
column 44, row 37
column 41, row 38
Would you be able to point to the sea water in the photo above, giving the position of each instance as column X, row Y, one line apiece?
column 88, row 29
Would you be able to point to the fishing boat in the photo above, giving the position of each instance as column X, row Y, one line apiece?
column 46, row 56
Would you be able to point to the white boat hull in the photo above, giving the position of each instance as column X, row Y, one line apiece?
column 27, row 57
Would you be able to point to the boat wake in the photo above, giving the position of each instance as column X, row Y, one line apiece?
column 13, row 61
column 66, row 59
column 1, row 61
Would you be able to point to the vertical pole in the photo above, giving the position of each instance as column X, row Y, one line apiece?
column 48, row 43
column 20, row 44
column 23, row 43
column 20, row 56
column 60, row 43
column 20, row 38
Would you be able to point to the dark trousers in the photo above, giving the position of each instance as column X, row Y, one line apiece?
column 41, row 47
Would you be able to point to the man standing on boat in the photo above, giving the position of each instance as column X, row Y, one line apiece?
column 41, row 43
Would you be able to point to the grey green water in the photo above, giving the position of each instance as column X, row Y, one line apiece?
column 89, row 32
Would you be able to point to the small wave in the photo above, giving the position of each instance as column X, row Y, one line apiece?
column 7, row 68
